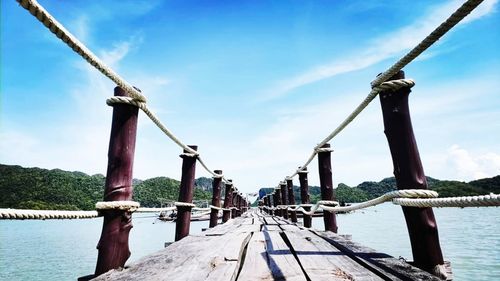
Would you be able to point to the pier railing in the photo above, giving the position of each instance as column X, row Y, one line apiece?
column 393, row 90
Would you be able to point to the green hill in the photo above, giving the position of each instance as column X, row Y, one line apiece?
column 35, row 188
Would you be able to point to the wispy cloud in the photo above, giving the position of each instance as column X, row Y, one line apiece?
column 384, row 47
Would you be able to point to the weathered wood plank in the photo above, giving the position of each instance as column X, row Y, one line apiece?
column 280, row 220
column 269, row 220
column 272, row 227
column 291, row 227
column 225, row 227
column 192, row 258
column 256, row 264
column 282, row 262
column 380, row 263
column 322, row 261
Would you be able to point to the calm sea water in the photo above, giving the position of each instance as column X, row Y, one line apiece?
column 65, row 249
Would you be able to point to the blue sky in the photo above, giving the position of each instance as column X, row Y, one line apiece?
column 256, row 84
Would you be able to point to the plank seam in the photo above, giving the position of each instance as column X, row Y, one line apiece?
column 243, row 255
column 368, row 263
column 294, row 253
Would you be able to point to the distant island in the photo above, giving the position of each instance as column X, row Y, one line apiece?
column 42, row 189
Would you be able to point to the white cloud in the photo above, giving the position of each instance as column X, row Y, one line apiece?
column 473, row 166
column 80, row 28
column 387, row 46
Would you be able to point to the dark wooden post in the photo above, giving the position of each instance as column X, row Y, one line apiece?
column 113, row 244
column 238, row 204
column 185, row 194
column 266, row 204
column 228, row 198
column 304, row 196
column 270, row 204
column 216, row 186
column 234, row 203
column 277, row 201
column 284, row 199
column 409, row 173
column 326, row 183
column 291, row 199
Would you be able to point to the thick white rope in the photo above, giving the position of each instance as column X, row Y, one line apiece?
column 155, row 210
column 130, row 206
column 45, row 214
column 406, row 197
column 184, row 204
column 461, row 202
column 433, row 37
column 327, row 205
column 136, row 99
column 405, row 193
column 393, row 85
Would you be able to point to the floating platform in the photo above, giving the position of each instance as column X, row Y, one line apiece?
column 257, row 246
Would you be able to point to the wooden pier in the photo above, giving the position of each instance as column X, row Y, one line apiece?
column 258, row 246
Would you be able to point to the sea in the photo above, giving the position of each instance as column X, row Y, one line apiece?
column 66, row 249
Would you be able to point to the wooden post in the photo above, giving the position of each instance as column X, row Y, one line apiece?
column 304, row 196
column 270, row 201
column 228, row 198
column 409, row 173
column 113, row 250
column 277, row 201
column 291, row 199
column 238, row 204
column 216, row 187
column 284, row 199
column 185, row 194
column 266, row 204
column 234, row 202
column 326, row 183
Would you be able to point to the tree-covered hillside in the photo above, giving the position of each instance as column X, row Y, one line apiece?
column 35, row 188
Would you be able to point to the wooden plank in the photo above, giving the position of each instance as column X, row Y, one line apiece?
column 270, row 220
column 291, row 227
column 224, row 228
column 192, row 258
column 280, row 220
column 282, row 262
column 272, row 227
column 380, row 263
column 256, row 266
column 322, row 261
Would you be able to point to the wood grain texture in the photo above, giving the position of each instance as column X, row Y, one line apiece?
column 322, row 261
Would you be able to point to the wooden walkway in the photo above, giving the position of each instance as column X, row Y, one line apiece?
column 256, row 246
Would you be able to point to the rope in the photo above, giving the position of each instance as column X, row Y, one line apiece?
column 155, row 210
column 184, row 204
column 406, row 197
column 136, row 99
column 465, row 201
column 327, row 205
column 130, row 206
column 393, row 85
column 379, row 83
column 17, row 214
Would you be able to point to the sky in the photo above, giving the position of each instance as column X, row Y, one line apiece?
column 255, row 84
